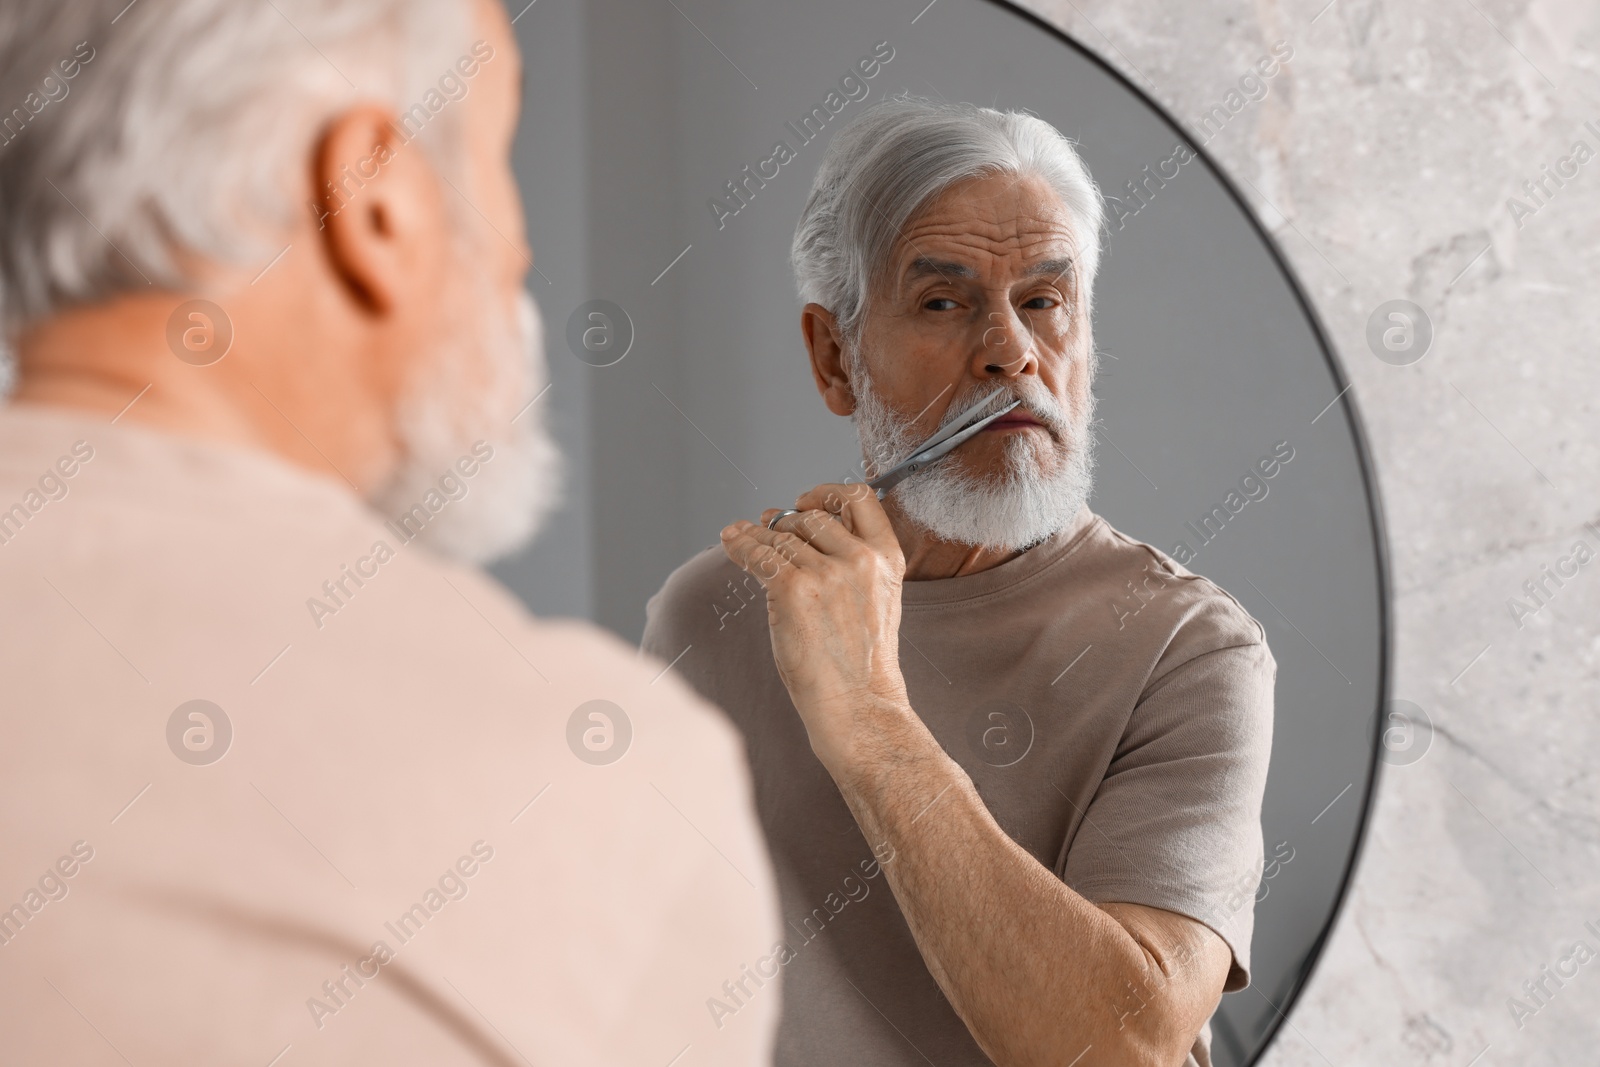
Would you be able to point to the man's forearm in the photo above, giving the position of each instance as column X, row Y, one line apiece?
column 1038, row 973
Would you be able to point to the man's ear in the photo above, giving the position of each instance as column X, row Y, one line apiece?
column 379, row 207
column 821, row 331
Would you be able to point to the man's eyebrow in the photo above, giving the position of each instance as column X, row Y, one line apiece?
column 924, row 265
column 1050, row 268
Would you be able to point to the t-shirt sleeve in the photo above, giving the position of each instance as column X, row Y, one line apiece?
column 690, row 605
column 1176, row 822
column 663, row 624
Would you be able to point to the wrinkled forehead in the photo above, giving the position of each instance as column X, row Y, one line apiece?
column 997, row 229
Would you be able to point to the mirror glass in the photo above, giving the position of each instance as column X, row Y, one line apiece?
column 697, row 407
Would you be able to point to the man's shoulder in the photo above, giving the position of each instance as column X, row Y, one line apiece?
column 706, row 590
column 706, row 573
column 1189, row 604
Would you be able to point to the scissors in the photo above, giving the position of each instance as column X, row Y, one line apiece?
column 955, row 433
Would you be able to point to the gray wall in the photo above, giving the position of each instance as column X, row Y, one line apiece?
column 555, row 575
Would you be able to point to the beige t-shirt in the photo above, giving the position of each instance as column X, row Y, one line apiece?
column 1113, row 709
column 399, row 773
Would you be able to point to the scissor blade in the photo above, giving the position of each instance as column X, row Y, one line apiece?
column 957, row 424
column 927, row 455
column 941, row 444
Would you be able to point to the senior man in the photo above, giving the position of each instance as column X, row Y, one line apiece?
column 1047, row 740
column 284, row 780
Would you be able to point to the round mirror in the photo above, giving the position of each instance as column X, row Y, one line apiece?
column 661, row 215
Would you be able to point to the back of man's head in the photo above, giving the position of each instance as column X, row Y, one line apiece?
column 135, row 132
column 325, row 186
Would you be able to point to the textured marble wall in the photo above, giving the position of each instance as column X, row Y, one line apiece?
column 1383, row 159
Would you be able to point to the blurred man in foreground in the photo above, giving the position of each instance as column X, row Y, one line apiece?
column 281, row 783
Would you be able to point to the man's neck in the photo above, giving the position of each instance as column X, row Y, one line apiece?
column 266, row 393
column 928, row 558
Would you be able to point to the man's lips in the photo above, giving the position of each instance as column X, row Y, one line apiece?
column 1013, row 420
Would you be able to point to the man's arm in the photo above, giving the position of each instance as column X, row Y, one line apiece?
column 1039, row 974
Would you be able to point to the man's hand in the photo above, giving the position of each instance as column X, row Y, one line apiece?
column 832, row 574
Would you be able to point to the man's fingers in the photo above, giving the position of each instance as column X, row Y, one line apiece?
column 763, row 552
column 820, row 530
column 858, row 504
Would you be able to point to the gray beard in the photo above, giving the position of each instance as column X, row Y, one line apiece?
column 1039, row 491
column 503, row 504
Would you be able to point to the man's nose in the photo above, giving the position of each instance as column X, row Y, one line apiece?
column 1007, row 346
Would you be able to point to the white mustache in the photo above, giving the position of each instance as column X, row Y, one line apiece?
column 1036, row 401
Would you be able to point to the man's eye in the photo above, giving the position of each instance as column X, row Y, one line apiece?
column 940, row 303
column 1041, row 303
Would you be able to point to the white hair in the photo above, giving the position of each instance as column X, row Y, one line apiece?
column 893, row 160
column 152, row 137
column 180, row 131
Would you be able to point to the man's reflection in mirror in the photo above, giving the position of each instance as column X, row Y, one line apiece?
column 1009, row 760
